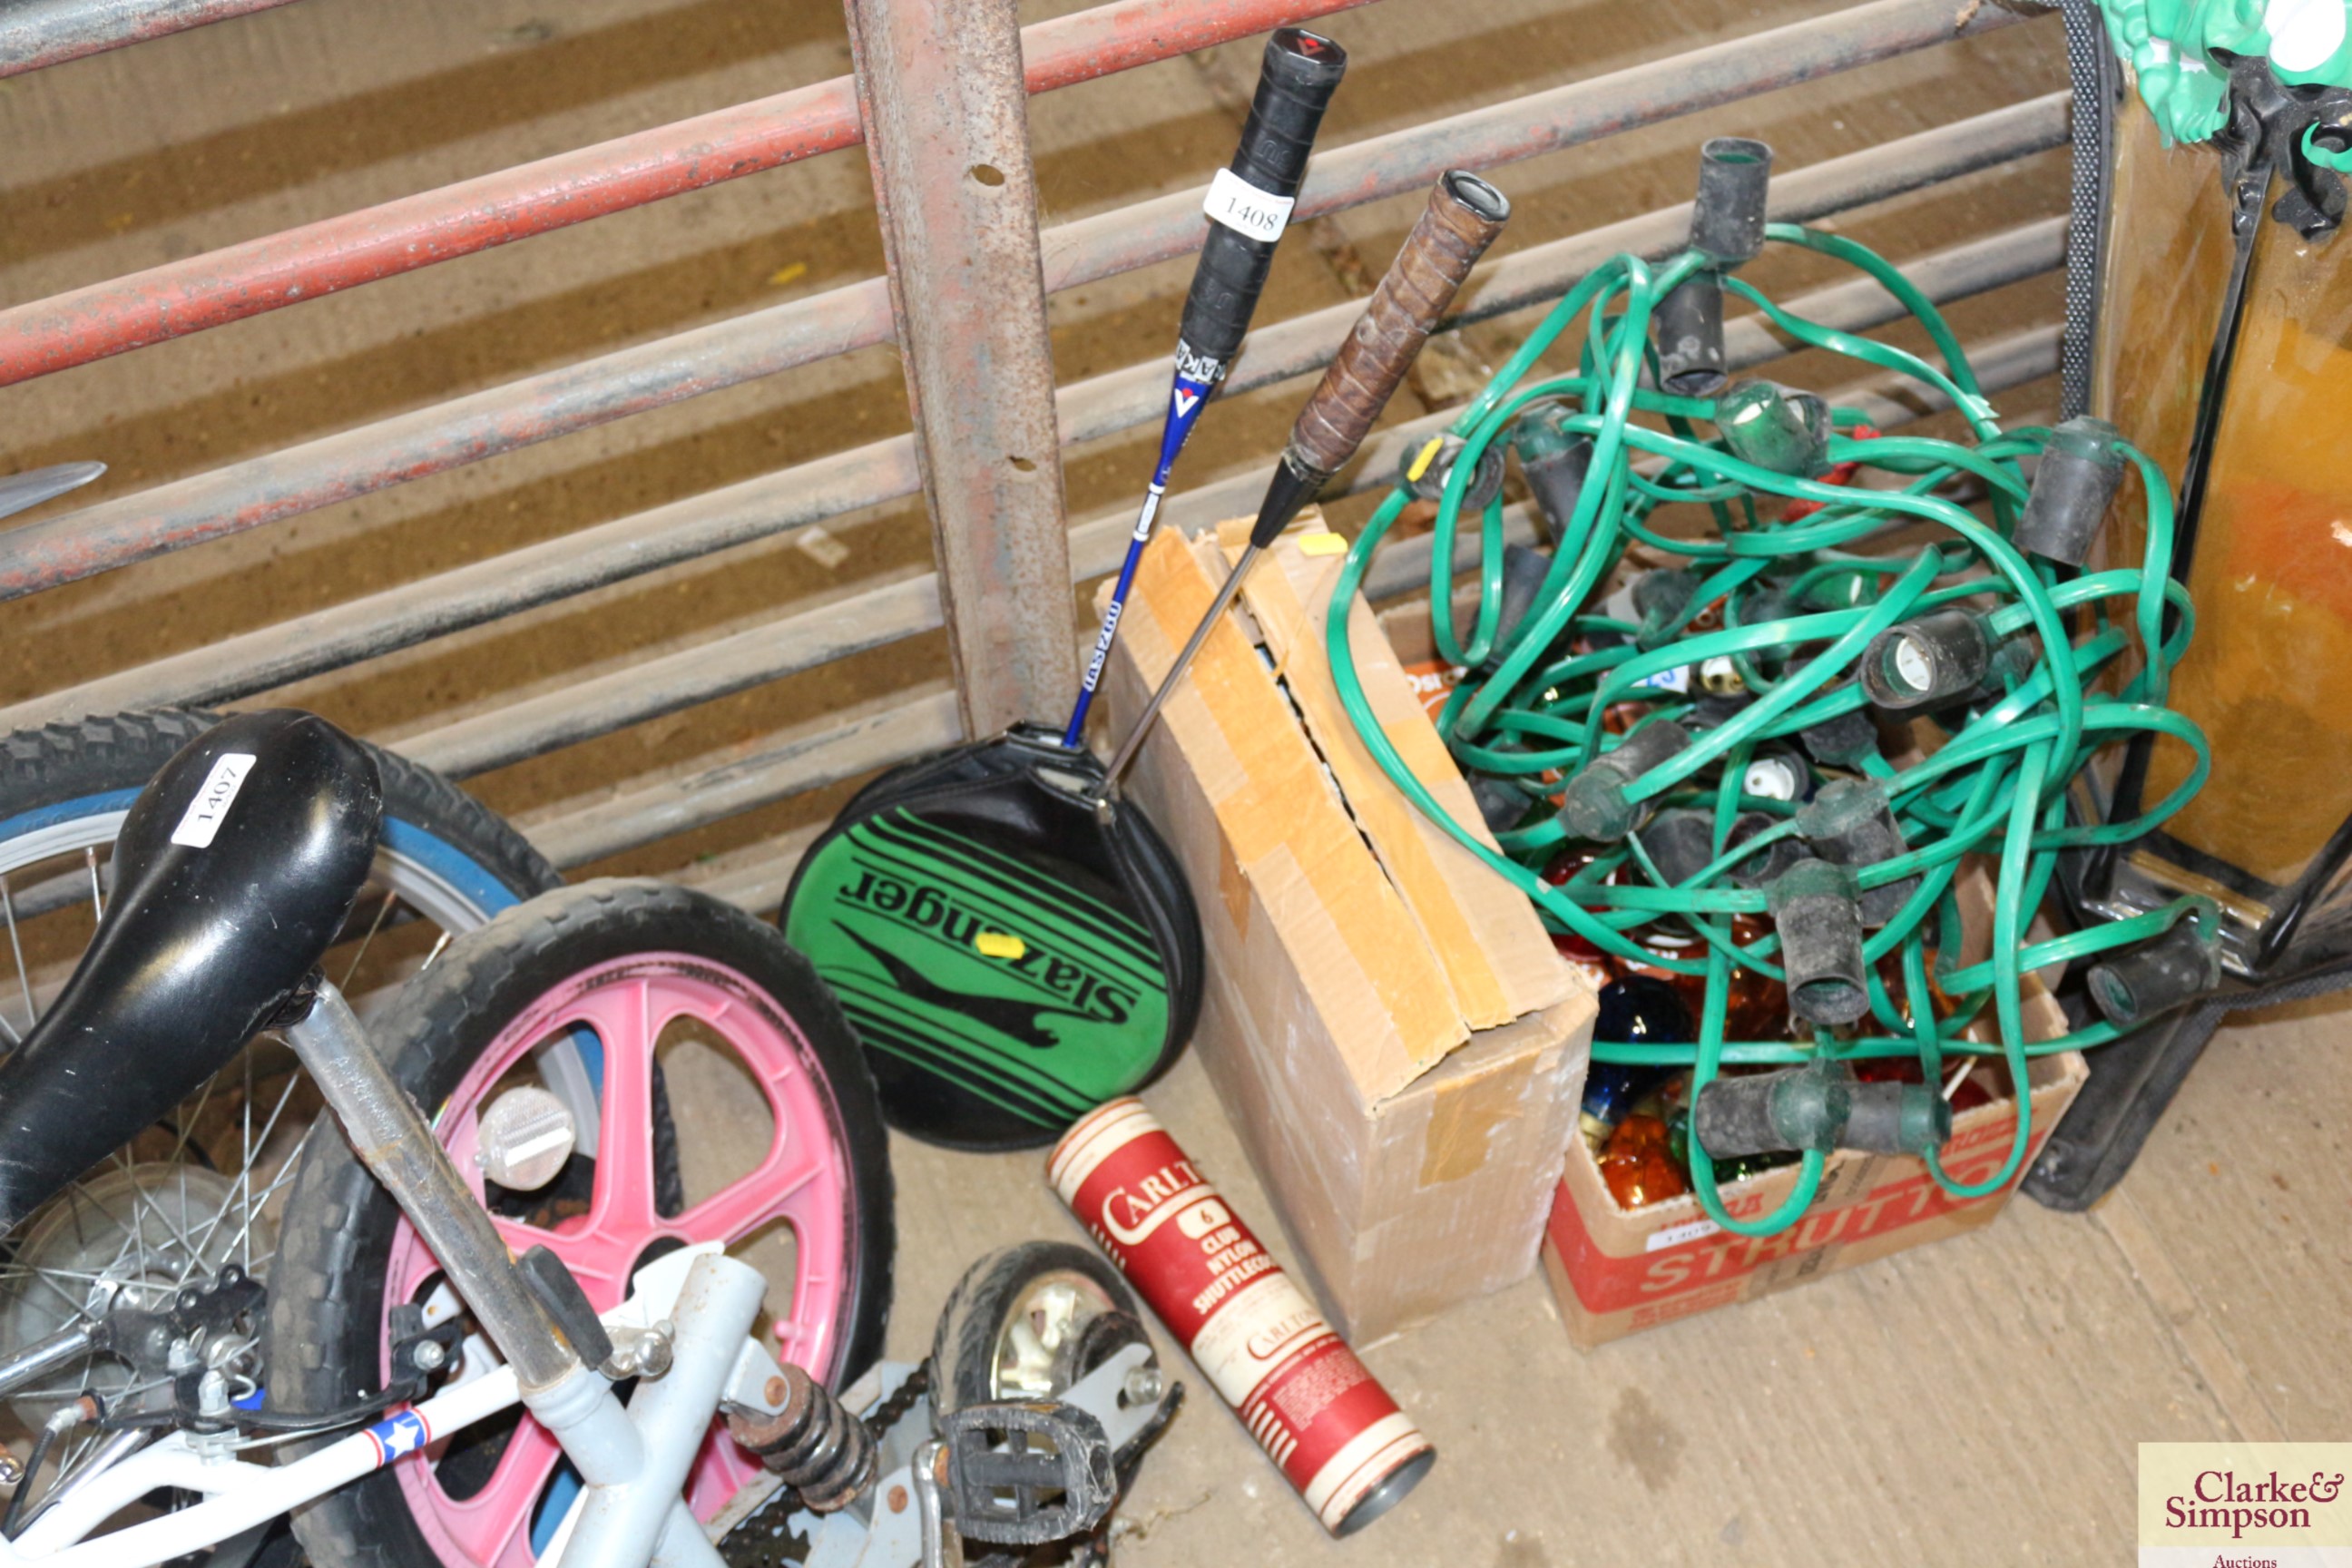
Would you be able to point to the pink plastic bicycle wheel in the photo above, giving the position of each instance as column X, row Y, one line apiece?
column 812, row 1176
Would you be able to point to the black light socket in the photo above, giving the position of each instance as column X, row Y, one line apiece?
column 1849, row 823
column 2073, row 488
column 1842, row 741
column 1554, row 461
column 1776, row 773
column 1813, row 906
column 1765, row 1113
column 1662, row 598
column 1760, row 869
column 2012, row 662
column 2138, row 983
column 1927, row 660
column 1680, row 843
column 1709, row 709
column 1896, row 1119
column 1775, row 427
column 1767, row 603
column 1524, row 570
column 1689, row 324
column 1593, row 803
column 1425, row 477
column 1735, row 174
column 1502, row 805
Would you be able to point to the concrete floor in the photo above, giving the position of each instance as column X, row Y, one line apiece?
column 1977, row 1401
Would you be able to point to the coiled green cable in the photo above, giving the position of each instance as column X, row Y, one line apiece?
column 1998, row 787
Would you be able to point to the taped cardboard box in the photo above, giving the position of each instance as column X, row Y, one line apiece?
column 1615, row 1272
column 1397, row 1042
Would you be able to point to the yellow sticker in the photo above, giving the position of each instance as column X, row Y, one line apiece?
column 1324, row 543
column 1000, row 944
column 1422, row 459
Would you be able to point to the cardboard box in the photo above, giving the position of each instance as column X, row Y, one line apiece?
column 1615, row 1272
column 1398, row 1044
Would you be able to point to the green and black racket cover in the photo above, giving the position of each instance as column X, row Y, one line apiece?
column 1009, row 954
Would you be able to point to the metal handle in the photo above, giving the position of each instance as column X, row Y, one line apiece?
column 1295, row 85
column 395, row 1142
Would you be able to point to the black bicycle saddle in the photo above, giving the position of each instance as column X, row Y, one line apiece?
column 235, row 871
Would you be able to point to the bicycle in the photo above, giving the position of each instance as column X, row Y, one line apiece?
column 401, row 1326
column 218, row 1164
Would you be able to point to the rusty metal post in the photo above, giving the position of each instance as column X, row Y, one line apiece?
column 947, row 132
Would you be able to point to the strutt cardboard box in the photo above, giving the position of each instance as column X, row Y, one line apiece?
column 1615, row 1273
column 1386, row 1022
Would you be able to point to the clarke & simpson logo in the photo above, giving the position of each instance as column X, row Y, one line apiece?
column 2244, row 1505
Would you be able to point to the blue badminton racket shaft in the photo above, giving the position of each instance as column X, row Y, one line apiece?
column 1248, row 206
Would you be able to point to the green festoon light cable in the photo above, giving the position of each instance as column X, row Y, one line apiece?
column 1996, row 786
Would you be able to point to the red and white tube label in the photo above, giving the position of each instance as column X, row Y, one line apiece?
column 1331, row 1428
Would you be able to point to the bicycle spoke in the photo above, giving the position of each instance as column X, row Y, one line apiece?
column 97, row 894
column 285, row 1171
column 51, row 1270
column 245, row 1165
column 76, row 1390
column 78, row 1305
column 17, row 946
column 285, row 1174
column 187, row 1127
column 194, row 1258
column 172, row 1227
column 374, row 926
column 126, row 1234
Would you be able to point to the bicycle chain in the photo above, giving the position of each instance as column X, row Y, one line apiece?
column 763, row 1538
column 889, row 1411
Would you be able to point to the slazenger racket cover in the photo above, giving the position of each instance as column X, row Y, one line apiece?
column 1010, row 956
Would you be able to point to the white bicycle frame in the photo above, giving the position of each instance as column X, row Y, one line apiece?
column 633, row 1461
column 691, row 1287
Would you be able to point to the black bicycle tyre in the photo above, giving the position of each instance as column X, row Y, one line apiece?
column 99, row 757
column 964, row 1341
column 326, row 1296
column 56, row 776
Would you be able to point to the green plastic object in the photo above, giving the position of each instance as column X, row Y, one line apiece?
column 2170, row 46
column 1770, row 425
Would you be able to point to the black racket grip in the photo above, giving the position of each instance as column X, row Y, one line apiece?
column 1294, row 84
column 1464, row 215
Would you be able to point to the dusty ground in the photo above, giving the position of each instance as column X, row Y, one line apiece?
column 123, row 161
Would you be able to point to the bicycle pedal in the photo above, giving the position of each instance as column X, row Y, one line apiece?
column 1024, row 1474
